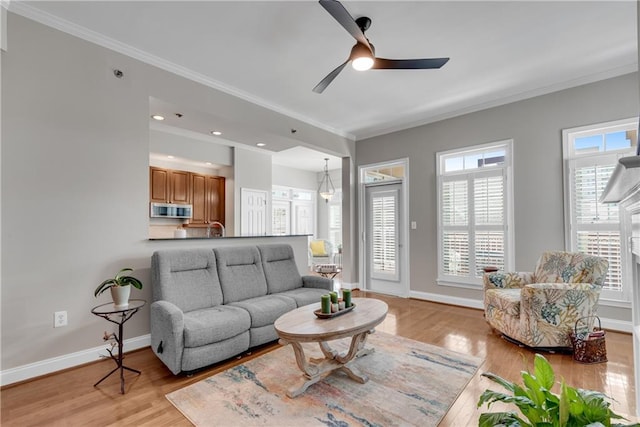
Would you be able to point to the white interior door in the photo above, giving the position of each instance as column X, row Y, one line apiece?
column 253, row 212
column 383, row 240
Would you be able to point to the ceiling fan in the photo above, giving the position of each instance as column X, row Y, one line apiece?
column 362, row 55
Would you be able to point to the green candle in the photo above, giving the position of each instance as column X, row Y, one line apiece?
column 326, row 303
column 334, row 297
column 346, row 296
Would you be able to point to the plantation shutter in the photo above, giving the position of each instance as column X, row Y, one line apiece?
column 384, row 246
column 490, row 224
column 455, row 222
column 596, row 228
column 473, row 223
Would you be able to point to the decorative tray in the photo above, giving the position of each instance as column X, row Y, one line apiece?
column 322, row 315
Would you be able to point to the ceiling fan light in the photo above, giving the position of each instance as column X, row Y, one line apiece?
column 361, row 57
column 362, row 63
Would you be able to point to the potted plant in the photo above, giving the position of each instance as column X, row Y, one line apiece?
column 540, row 407
column 120, row 287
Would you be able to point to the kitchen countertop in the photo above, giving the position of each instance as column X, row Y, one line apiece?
column 229, row 237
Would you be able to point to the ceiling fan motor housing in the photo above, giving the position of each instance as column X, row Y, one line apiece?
column 364, row 23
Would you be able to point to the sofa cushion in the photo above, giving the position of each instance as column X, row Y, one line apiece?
column 280, row 268
column 240, row 273
column 305, row 296
column 211, row 325
column 506, row 300
column 266, row 309
column 187, row 278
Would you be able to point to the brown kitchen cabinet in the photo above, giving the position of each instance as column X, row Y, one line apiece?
column 169, row 186
column 207, row 198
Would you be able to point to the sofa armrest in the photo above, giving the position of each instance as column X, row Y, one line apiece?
column 167, row 334
column 507, row 280
column 317, row 282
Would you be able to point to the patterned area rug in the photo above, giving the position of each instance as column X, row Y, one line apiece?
column 410, row 383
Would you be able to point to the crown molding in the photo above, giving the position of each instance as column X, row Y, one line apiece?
column 502, row 100
column 84, row 33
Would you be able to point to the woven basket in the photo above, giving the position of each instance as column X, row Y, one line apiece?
column 588, row 346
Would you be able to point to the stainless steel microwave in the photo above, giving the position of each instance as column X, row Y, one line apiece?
column 170, row 210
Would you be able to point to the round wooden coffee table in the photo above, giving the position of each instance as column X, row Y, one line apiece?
column 301, row 325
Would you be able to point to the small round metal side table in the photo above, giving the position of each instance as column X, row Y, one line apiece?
column 118, row 316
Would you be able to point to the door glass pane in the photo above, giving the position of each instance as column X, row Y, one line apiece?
column 281, row 218
column 383, row 234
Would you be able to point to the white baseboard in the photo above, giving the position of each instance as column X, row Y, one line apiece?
column 616, row 325
column 43, row 367
column 345, row 285
column 610, row 324
column 446, row 299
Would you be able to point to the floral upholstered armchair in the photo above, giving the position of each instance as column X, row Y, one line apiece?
column 540, row 308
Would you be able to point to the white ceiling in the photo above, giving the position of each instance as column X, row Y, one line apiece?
column 274, row 53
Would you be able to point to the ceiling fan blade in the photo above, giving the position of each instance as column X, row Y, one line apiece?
column 320, row 87
column 408, row 64
column 344, row 18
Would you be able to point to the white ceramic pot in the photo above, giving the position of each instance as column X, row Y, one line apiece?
column 120, row 296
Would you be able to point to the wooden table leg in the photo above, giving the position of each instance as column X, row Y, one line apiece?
column 322, row 367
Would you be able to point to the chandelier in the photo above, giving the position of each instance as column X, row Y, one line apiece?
column 326, row 188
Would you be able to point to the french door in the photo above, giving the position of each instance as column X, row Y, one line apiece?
column 385, row 250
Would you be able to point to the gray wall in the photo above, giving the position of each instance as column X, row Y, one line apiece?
column 74, row 176
column 295, row 178
column 536, row 127
column 201, row 149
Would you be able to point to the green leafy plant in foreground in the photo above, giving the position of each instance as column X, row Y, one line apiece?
column 540, row 407
column 119, row 280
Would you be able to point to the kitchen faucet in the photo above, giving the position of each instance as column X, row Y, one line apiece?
column 212, row 224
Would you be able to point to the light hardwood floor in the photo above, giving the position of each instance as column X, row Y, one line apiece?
column 69, row 399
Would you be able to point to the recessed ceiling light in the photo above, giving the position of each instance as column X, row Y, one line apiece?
column 208, row 163
column 157, row 117
column 216, row 132
column 170, row 157
column 261, row 144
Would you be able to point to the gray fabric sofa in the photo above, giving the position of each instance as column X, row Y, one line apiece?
column 212, row 304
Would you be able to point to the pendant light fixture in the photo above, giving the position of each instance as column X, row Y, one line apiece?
column 326, row 188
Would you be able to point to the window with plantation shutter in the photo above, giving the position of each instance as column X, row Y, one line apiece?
column 474, row 212
column 591, row 154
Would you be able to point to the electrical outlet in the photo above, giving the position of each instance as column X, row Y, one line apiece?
column 59, row 319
